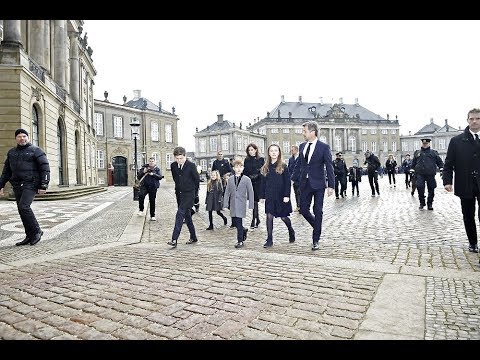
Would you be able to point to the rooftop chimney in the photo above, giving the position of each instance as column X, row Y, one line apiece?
column 321, row 100
column 409, row 133
column 137, row 94
column 160, row 105
column 300, row 99
column 340, row 100
column 124, row 99
column 388, row 116
column 446, row 121
column 356, row 101
column 219, row 117
column 283, row 99
column 106, row 95
column 431, row 120
column 173, row 110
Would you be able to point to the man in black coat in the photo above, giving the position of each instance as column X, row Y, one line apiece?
column 150, row 176
column 187, row 181
column 424, row 164
column 223, row 166
column 463, row 158
column 28, row 170
column 373, row 165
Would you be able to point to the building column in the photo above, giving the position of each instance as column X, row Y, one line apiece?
column 11, row 45
column 330, row 140
column 38, row 42
column 74, row 67
column 59, row 52
column 12, row 33
column 345, row 139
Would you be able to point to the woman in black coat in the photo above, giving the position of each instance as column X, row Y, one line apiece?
column 276, row 188
column 252, row 165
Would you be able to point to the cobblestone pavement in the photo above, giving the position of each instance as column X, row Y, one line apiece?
column 385, row 270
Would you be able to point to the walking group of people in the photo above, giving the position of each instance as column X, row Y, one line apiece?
column 310, row 168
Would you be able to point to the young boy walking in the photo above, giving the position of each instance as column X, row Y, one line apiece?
column 239, row 189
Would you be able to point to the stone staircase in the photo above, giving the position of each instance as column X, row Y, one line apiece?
column 65, row 193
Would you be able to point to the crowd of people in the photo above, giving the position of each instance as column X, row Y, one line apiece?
column 242, row 183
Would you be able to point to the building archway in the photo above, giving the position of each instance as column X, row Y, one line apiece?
column 120, row 171
column 78, row 157
column 62, row 153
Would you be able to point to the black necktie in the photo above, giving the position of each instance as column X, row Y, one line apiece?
column 476, row 138
column 308, row 152
column 180, row 166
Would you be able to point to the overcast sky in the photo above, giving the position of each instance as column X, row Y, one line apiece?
column 240, row 68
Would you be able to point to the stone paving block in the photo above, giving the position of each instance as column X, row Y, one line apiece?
column 161, row 318
column 228, row 329
column 168, row 332
column 255, row 334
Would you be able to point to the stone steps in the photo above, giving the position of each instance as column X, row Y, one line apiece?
column 66, row 193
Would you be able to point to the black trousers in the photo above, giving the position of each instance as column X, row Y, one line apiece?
column 342, row 180
column 373, row 181
column 296, row 190
column 24, row 198
column 431, row 185
column 315, row 219
column 152, row 194
column 390, row 176
column 237, row 222
column 468, row 211
column 408, row 178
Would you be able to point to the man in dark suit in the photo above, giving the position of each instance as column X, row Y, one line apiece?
column 315, row 158
column 223, row 166
column 463, row 157
column 187, row 180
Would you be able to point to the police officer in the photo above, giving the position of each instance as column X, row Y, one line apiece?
column 373, row 165
column 424, row 164
column 340, row 170
column 28, row 170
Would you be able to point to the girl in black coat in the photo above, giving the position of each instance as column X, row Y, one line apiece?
column 390, row 166
column 276, row 187
column 214, row 198
column 252, row 165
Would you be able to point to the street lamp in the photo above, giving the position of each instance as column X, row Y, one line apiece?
column 135, row 124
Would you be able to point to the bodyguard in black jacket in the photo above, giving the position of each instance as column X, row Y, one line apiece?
column 463, row 158
column 28, row 170
column 424, row 164
column 187, row 180
column 150, row 176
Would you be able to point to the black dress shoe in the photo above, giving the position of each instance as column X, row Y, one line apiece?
column 36, row 238
column 421, row 207
column 25, row 241
column 256, row 224
column 239, row 244
column 172, row 243
column 291, row 236
column 245, row 230
column 191, row 241
column 268, row 244
column 429, row 207
column 209, row 228
column 473, row 248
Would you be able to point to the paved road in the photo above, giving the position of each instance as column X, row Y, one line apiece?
column 385, row 270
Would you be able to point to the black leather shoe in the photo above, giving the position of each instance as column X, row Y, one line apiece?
column 25, row 241
column 209, row 228
column 473, row 248
column 252, row 225
column 256, row 224
column 36, row 238
column 421, row 207
column 245, row 230
column 315, row 246
column 429, row 207
column 268, row 244
column 191, row 241
column 172, row 243
column 239, row 244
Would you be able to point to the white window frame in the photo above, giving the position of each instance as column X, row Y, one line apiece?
column 286, row 148
column 441, row 144
column 203, row 164
column 202, row 145
column 338, row 143
column 404, row 146
column 99, row 124
column 394, row 146
column 374, row 146
column 168, row 133
column 364, row 146
column 373, row 131
column 286, row 131
column 353, row 143
column 239, row 143
column 117, row 127
column 385, row 146
column 154, row 131
column 274, row 131
column 225, row 142
column 100, row 159
column 213, row 144
column 168, row 160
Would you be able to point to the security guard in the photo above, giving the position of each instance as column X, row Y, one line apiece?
column 424, row 164
column 340, row 170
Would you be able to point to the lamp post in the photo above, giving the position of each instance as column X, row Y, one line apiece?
column 135, row 124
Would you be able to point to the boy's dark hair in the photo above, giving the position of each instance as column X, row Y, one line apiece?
column 179, row 151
